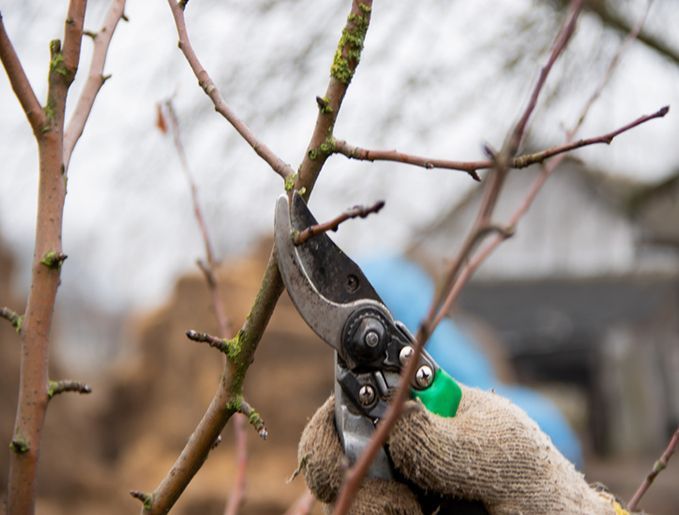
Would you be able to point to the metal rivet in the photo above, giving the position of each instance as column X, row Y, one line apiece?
column 366, row 395
column 424, row 376
column 352, row 283
column 405, row 354
column 371, row 338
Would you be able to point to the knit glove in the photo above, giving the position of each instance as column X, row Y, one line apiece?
column 490, row 452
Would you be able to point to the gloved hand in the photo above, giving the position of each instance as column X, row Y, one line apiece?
column 490, row 451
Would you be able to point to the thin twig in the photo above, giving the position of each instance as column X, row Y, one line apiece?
column 221, row 344
column 95, row 79
column 67, row 385
column 658, row 467
column 276, row 163
column 332, row 225
column 356, row 473
column 20, row 83
column 12, row 316
column 208, row 266
column 364, row 154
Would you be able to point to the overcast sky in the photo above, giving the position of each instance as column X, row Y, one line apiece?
column 434, row 80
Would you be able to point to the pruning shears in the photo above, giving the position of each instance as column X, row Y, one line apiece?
column 337, row 301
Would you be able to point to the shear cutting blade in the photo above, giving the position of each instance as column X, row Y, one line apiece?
column 325, row 285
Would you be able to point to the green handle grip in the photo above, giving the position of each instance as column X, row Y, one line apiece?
column 443, row 396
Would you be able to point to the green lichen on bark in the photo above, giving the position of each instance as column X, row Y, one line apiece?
column 348, row 53
column 19, row 446
column 235, row 403
column 57, row 64
column 290, row 181
column 323, row 150
column 53, row 260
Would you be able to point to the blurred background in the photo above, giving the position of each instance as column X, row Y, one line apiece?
column 581, row 306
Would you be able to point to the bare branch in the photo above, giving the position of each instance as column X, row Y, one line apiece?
column 221, row 344
column 276, row 163
column 357, row 472
column 363, row 154
column 67, row 385
column 658, row 467
column 538, row 157
column 610, row 17
column 14, row 318
column 95, row 78
column 20, row 83
column 333, row 225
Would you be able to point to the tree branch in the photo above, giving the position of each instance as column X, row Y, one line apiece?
column 332, row 225
column 208, row 85
column 46, row 271
column 363, row 154
column 20, row 83
column 208, row 266
column 216, row 416
column 470, row 167
column 357, row 472
column 95, row 79
column 658, row 467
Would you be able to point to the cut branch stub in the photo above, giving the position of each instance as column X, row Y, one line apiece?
column 146, row 499
column 254, row 418
column 13, row 317
column 221, row 344
column 67, row 385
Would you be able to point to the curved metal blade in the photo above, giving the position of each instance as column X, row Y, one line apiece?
column 323, row 315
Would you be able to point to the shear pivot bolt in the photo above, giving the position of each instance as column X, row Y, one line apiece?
column 405, row 354
column 366, row 395
column 424, row 376
column 371, row 338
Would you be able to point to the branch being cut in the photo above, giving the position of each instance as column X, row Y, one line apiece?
column 333, row 225
column 95, row 79
column 205, row 81
column 658, row 467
